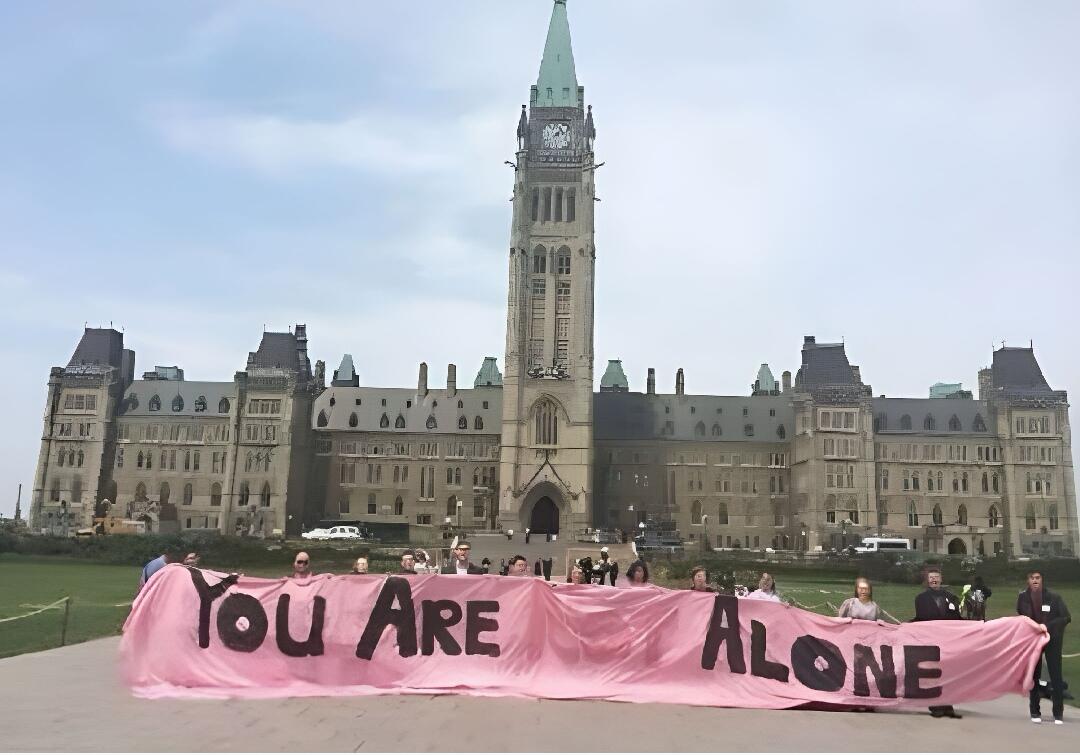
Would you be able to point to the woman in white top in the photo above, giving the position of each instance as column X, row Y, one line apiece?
column 862, row 606
column 766, row 589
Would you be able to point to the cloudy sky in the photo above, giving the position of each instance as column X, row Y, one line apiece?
column 904, row 176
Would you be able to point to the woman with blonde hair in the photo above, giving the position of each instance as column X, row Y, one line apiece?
column 766, row 589
column 862, row 605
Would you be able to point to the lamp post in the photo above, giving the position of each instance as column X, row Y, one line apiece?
column 459, row 514
column 804, row 543
column 705, row 534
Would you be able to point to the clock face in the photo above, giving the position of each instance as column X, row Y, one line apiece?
column 557, row 135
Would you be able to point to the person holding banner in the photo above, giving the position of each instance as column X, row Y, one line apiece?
column 863, row 606
column 360, row 566
column 519, row 567
column 936, row 604
column 576, row 576
column 766, row 589
column 301, row 565
column 1046, row 608
column 637, row 574
column 699, row 580
column 461, row 563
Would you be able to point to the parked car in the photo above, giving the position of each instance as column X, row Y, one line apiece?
column 319, row 533
column 345, row 533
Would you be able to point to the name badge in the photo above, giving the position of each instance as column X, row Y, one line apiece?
column 1046, row 609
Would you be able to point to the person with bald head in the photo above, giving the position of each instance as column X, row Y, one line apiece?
column 301, row 566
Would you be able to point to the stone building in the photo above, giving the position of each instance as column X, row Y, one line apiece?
column 814, row 462
column 173, row 453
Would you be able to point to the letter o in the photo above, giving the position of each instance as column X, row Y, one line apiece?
column 234, row 608
column 805, row 652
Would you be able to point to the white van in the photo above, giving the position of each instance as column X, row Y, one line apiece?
column 880, row 544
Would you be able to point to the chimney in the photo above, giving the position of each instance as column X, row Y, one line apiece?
column 451, row 380
column 650, row 384
column 809, row 339
column 855, row 373
column 786, row 380
column 986, row 384
column 680, row 384
column 421, row 385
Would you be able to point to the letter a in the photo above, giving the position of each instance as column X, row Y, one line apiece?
column 724, row 626
column 384, row 614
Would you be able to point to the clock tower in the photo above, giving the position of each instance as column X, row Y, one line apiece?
column 547, row 427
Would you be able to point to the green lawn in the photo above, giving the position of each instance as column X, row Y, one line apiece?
column 101, row 595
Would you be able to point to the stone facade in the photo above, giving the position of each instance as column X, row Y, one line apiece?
column 812, row 463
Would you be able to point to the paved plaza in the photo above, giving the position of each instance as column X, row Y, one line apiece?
column 71, row 699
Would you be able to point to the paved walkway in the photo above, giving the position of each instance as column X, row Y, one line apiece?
column 71, row 699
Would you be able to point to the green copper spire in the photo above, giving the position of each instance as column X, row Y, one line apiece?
column 557, row 84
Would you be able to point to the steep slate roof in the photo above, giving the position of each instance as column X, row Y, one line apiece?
column 99, row 346
column 1016, row 368
column 891, row 410
column 827, row 375
column 167, row 390
column 370, row 410
column 281, row 350
column 638, row 416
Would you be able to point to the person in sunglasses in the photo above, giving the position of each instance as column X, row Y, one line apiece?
column 301, row 565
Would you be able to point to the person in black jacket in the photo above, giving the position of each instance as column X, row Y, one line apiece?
column 461, row 563
column 1046, row 608
column 936, row 604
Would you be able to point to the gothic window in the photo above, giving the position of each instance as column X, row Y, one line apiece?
column 695, row 512
column 431, row 424
column 187, row 494
column 535, row 204
column 1052, row 513
column 994, row 517
column 155, row 403
column 912, row 515
column 178, row 403
column 928, row 422
column 978, row 425
column 163, row 493
column 994, row 482
column 558, row 205
column 399, row 423
column 399, row 506
column 449, row 475
column 546, row 423
column 223, row 406
column 451, row 505
column 830, row 509
column 940, row 481
column 985, row 483
column 962, row 515
column 353, row 420
column 853, row 511
column 462, row 423
column 264, row 498
column 964, row 482
column 781, row 433
column 547, row 203
column 457, row 475
column 322, row 421
column 140, row 492
column 748, row 430
column 699, row 430
column 722, row 515
column 716, row 430
column 60, row 458
column 132, row 402
column 397, row 474
column 478, row 423
column 384, row 421
column 76, row 489
column 1029, row 517
column 905, row 422
column 571, row 208
column 215, row 494
column 245, row 494
column 954, row 424
column 563, row 262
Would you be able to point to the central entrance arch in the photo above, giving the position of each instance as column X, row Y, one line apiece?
column 544, row 519
column 957, row 547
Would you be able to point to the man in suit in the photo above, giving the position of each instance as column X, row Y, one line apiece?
column 1046, row 608
column 936, row 604
column 461, row 563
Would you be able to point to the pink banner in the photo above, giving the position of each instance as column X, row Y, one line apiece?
column 488, row 635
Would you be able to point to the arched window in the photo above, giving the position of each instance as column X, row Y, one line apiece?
column 748, row 430
column 353, row 420
column 699, row 429
column 200, row 404
column 1052, row 513
column 431, row 423
column 994, row 516
column 930, row 482
column 460, row 404
column 178, row 403
column 716, row 431
column 1030, row 484
column 451, row 506
column 457, row 475
column 378, row 474
column 132, row 402
column 76, row 490
column 695, row 512
column 955, row 483
column 140, row 492
column 830, row 509
column 978, row 425
column 964, row 482
column 264, row 498
column 985, row 482
column 476, row 477
column 79, row 459
column 961, row 515
column 322, row 421
column 781, row 433
column 399, row 423
column 1029, row 517
column 223, row 406
column 940, row 481
column 954, row 424
column 928, row 422
column 397, row 473
column 245, row 494
column 384, row 421
column 372, row 504
column 905, row 422
column 63, row 455
column 215, row 494
column 937, row 517
column 163, row 493
column 853, row 510
column 994, row 482
column 912, row 515
column 188, row 494
column 449, row 475
column 155, row 403
column 399, row 506
column 138, row 459
column 546, row 423
column 71, row 458
column 722, row 515
column 478, row 423
column 462, row 423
